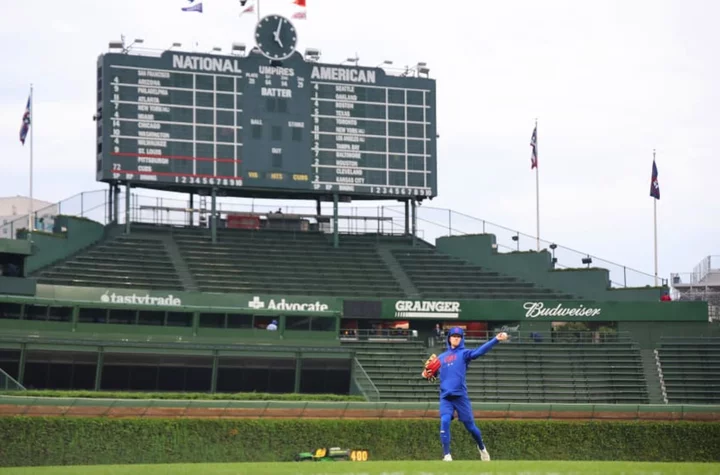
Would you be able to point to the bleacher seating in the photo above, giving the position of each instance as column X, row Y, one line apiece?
column 126, row 261
column 437, row 275
column 691, row 369
column 283, row 262
column 515, row 372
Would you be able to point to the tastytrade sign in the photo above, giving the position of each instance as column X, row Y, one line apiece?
column 136, row 299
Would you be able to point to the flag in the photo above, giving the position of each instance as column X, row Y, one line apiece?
column 654, row 184
column 26, row 121
column 193, row 8
column 534, row 154
column 249, row 9
column 302, row 14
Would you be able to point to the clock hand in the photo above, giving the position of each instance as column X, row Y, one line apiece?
column 277, row 32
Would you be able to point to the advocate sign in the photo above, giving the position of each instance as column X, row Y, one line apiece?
column 191, row 301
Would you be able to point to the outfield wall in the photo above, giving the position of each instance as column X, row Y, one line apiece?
column 48, row 441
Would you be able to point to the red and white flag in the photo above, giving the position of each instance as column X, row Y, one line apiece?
column 247, row 9
column 302, row 13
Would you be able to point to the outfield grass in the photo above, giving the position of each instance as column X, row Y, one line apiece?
column 384, row 468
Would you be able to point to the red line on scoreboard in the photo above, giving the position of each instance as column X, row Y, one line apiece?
column 135, row 172
column 176, row 157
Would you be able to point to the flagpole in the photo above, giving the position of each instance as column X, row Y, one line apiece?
column 257, row 4
column 537, row 194
column 31, row 210
column 655, row 231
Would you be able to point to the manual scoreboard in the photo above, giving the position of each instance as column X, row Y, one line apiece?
column 249, row 126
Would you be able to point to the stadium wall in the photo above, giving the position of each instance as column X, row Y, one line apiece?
column 48, row 248
column 593, row 284
column 649, row 336
column 389, row 309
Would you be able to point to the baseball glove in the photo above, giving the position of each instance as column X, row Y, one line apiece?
column 431, row 368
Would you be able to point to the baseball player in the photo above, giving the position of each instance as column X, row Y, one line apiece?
column 452, row 368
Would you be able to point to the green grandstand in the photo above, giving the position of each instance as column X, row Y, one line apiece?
column 185, row 307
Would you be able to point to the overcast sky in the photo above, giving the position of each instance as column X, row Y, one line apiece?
column 608, row 81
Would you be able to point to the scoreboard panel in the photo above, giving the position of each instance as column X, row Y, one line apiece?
column 251, row 127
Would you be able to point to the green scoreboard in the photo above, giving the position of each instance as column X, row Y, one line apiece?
column 249, row 126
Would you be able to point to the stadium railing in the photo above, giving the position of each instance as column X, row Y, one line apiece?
column 8, row 383
column 364, row 383
column 439, row 222
column 382, row 334
column 431, row 224
column 559, row 336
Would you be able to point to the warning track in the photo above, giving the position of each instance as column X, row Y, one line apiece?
column 233, row 409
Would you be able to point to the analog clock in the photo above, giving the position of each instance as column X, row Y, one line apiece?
column 276, row 37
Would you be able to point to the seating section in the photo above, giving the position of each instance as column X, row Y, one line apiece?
column 283, row 262
column 133, row 261
column 437, row 275
column 515, row 372
column 691, row 370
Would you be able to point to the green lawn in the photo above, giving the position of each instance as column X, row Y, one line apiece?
column 384, row 468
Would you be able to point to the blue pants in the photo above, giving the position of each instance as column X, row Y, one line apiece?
column 461, row 404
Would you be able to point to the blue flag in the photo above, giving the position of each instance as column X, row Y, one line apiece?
column 25, row 128
column 193, row 8
column 654, row 184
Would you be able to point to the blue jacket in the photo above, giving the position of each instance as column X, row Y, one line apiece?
column 454, row 364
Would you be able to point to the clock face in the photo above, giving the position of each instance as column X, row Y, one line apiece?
column 276, row 37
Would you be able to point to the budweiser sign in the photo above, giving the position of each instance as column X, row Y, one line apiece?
column 538, row 309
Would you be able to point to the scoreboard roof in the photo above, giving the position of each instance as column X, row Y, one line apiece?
column 249, row 126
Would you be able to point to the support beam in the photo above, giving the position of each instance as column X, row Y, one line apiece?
column 214, row 377
column 213, row 217
column 298, row 371
column 110, row 204
column 407, row 217
column 116, row 204
column 21, row 363
column 414, row 219
column 99, row 368
column 191, row 213
column 127, row 208
column 336, row 231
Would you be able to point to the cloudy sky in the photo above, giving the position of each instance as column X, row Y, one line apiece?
column 608, row 82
